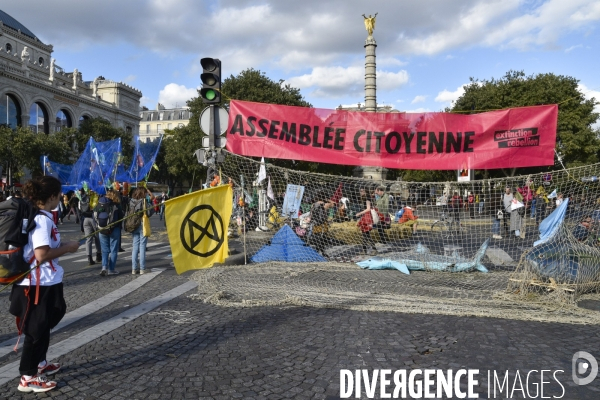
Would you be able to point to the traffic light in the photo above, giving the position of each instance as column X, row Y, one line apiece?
column 211, row 80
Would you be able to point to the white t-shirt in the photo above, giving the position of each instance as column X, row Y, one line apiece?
column 44, row 234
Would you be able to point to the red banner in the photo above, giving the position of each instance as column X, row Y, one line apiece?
column 516, row 137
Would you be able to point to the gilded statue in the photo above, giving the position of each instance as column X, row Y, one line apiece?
column 370, row 23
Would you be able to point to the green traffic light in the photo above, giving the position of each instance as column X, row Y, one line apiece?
column 210, row 95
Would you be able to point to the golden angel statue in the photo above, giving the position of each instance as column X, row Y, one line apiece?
column 370, row 23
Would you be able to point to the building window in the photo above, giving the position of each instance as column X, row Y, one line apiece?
column 181, row 115
column 158, row 128
column 170, row 116
column 8, row 48
column 148, row 128
column 10, row 112
column 149, row 117
column 83, row 118
column 63, row 120
column 38, row 118
column 169, row 126
column 128, row 129
column 161, row 115
column 41, row 61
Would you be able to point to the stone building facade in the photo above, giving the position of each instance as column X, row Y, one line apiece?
column 154, row 122
column 37, row 93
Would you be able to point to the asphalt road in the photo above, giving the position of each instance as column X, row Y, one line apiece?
column 150, row 337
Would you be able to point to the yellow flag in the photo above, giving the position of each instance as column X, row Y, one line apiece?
column 197, row 227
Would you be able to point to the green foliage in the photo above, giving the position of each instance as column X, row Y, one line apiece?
column 179, row 158
column 253, row 85
column 23, row 148
column 576, row 140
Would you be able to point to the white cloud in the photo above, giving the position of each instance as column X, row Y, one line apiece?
column 174, row 94
column 588, row 94
column 340, row 81
column 446, row 96
column 419, row 110
column 419, row 99
column 129, row 78
column 570, row 49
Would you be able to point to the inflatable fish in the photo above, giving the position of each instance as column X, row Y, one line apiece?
column 381, row 263
column 423, row 260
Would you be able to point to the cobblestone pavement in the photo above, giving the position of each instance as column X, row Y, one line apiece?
column 188, row 349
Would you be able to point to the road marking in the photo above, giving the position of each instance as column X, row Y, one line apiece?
column 82, row 252
column 11, row 371
column 90, row 308
column 149, row 253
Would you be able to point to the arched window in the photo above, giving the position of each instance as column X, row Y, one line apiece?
column 38, row 118
column 63, row 120
column 8, row 48
column 10, row 111
column 83, row 118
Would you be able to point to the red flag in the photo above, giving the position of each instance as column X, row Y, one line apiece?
column 338, row 194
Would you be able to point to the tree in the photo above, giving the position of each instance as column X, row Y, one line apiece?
column 576, row 141
column 21, row 148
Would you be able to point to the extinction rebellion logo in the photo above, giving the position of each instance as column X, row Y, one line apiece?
column 525, row 137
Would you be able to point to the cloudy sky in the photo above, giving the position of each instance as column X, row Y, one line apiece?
column 426, row 49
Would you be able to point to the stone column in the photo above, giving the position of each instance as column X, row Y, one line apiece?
column 25, row 120
column 370, row 75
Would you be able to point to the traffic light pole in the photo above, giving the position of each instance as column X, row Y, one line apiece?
column 212, row 153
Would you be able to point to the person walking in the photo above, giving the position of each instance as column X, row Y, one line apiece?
column 137, row 203
column 37, row 301
column 471, row 204
column 88, row 226
column 109, row 237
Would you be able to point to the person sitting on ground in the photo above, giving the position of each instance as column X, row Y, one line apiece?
column 583, row 229
column 408, row 218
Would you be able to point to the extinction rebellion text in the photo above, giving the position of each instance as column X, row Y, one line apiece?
column 442, row 384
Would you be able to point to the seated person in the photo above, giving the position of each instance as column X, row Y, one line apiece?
column 408, row 218
column 583, row 230
column 343, row 211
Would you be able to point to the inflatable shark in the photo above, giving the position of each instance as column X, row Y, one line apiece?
column 421, row 259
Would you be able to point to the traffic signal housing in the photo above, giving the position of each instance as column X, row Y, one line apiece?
column 211, row 80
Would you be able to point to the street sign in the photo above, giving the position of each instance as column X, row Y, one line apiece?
column 221, row 120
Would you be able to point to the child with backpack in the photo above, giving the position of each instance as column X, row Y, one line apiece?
column 133, row 225
column 107, row 211
column 37, row 301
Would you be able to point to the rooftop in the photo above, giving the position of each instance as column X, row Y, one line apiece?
column 12, row 23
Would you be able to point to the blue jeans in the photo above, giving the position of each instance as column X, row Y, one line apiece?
column 139, row 247
column 110, row 248
column 496, row 227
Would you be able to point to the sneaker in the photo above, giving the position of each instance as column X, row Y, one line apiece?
column 121, row 250
column 103, row 272
column 49, row 369
column 113, row 272
column 142, row 272
column 37, row 384
column 133, row 271
column 99, row 258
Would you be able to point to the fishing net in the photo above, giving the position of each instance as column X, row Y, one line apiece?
column 450, row 247
column 101, row 163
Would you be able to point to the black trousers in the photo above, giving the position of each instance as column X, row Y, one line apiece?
column 36, row 321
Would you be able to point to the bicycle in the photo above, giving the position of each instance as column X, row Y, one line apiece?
column 446, row 226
